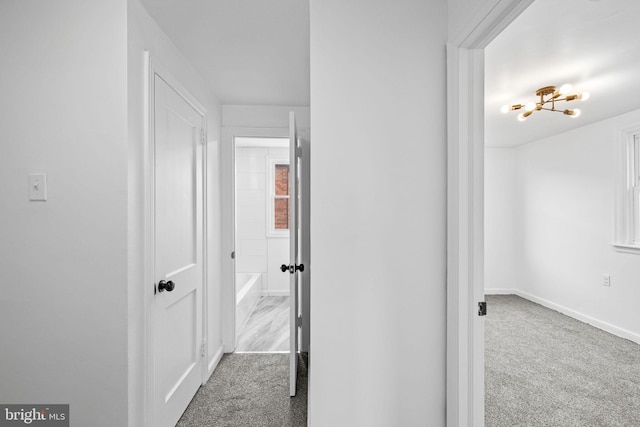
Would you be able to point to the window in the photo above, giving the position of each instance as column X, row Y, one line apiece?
column 628, row 192
column 278, row 200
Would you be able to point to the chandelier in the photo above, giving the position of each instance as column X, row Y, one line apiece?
column 549, row 97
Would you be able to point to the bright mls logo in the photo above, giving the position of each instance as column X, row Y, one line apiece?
column 35, row 415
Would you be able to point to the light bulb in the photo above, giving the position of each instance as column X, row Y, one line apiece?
column 530, row 106
column 523, row 116
column 505, row 109
column 565, row 89
column 576, row 113
column 584, row 96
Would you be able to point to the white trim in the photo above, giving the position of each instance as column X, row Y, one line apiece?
column 499, row 291
column 261, row 141
column 227, row 155
column 607, row 327
column 206, row 370
column 492, row 18
column 464, row 238
column 465, row 182
column 626, row 178
column 627, row 249
column 148, row 242
column 597, row 323
column 214, row 362
column 268, row 293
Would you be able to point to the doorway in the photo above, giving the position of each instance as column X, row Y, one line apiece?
column 545, row 243
column 261, row 190
column 465, row 211
column 466, row 192
column 294, row 267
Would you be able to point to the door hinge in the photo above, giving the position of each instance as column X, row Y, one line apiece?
column 482, row 308
column 204, row 136
column 203, row 349
column 233, row 255
column 299, row 152
column 299, row 321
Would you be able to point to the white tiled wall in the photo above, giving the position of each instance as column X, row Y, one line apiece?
column 255, row 252
column 278, row 249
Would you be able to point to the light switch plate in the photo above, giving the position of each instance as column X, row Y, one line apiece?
column 38, row 186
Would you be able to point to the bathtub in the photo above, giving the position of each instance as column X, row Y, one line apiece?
column 248, row 289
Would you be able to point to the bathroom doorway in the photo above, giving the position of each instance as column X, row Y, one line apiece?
column 261, row 172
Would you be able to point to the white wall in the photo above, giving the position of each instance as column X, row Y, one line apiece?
column 566, row 216
column 377, row 355
column 144, row 34
column 264, row 116
column 256, row 251
column 63, row 304
column 501, row 227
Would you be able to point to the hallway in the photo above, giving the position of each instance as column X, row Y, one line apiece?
column 249, row 390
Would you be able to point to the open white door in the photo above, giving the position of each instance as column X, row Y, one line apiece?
column 178, row 204
column 294, row 258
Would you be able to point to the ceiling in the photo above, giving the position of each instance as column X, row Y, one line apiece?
column 256, row 52
column 251, row 52
column 592, row 44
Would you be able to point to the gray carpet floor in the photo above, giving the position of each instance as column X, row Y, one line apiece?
column 250, row 390
column 543, row 368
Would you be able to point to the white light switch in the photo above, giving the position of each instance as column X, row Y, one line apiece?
column 37, row 186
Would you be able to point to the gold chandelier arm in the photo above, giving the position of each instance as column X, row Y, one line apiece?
column 551, row 109
column 552, row 96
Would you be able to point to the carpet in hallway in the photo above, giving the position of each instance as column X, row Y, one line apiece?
column 250, row 390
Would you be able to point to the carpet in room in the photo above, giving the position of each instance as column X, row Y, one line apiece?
column 543, row 368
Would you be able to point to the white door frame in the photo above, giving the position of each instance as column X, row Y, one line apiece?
column 229, row 134
column 151, row 69
column 465, row 210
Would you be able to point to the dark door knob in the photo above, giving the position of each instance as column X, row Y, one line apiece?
column 166, row 286
column 291, row 269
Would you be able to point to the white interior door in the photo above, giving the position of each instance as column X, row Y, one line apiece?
column 294, row 258
column 178, row 203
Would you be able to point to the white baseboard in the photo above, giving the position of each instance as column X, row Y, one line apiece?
column 612, row 329
column 499, row 291
column 268, row 293
column 213, row 363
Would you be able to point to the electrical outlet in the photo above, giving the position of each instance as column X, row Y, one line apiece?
column 606, row 280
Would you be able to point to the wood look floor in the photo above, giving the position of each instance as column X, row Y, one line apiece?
column 267, row 329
